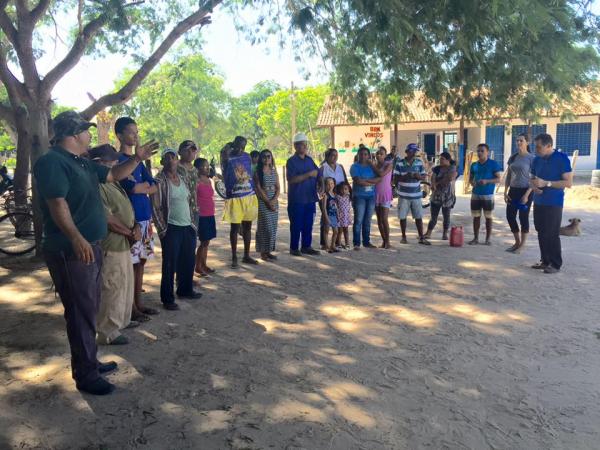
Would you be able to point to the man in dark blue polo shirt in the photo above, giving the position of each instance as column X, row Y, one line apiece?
column 74, row 224
column 301, row 173
column 551, row 173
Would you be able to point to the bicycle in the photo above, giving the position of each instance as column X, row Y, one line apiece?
column 17, row 236
column 218, row 179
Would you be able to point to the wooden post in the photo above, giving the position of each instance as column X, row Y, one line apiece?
column 332, row 137
column 574, row 162
column 396, row 135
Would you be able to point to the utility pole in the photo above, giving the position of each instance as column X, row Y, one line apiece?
column 293, row 113
column 293, row 120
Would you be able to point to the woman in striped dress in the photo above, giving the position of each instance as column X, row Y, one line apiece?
column 266, row 182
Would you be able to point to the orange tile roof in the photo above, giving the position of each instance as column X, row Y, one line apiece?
column 419, row 109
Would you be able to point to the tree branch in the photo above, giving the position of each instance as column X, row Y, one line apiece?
column 39, row 10
column 15, row 89
column 200, row 17
column 75, row 54
column 7, row 25
column 7, row 114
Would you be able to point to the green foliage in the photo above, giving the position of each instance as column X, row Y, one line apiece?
column 244, row 113
column 469, row 56
column 182, row 100
column 275, row 118
column 185, row 99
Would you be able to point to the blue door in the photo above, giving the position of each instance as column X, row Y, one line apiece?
column 429, row 145
column 494, row 137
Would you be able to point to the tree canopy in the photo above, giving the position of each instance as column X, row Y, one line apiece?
column 183, row 99
column 467, row 55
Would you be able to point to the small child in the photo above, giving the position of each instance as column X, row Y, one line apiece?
column 344, row 203
column 207, row 228
column 331, row 216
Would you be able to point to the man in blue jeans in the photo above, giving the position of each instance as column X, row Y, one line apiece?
column 74, row 224
column 551, row 173
column 174, row 216
column 301, row 173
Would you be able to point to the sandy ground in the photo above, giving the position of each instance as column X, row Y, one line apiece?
column 410, row 348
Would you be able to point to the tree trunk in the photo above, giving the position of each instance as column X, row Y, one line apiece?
column 21, row 177
column 36, row 133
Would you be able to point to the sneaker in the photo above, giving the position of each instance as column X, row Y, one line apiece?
column 369, row 246
column 97, row 387
column 119, row 340
column 107, row 367
column 295, row 253
column 310, row 251
column 424, row 241
column 171, row 306
column 474, row 242
column 551, row 270
column 539, row 266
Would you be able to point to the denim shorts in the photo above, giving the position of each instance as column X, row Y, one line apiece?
column 414, row 205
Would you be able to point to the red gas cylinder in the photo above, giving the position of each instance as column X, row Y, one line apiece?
column 457, row 237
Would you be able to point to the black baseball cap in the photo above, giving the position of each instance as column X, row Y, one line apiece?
column 69, row 123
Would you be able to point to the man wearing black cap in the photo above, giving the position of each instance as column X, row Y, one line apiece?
column 74, row 224
column 117, row 270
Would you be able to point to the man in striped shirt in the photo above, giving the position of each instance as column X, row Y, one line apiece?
column 408, row 174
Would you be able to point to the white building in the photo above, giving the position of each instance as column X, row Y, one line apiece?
column 433, row 132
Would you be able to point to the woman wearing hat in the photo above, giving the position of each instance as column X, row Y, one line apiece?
column 443, row 197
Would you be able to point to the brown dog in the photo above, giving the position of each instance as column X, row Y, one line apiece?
column 572, row 229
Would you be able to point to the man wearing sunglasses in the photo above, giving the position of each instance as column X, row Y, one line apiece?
column 485, row 175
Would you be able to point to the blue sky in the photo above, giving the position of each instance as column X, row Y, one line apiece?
column 242, row 65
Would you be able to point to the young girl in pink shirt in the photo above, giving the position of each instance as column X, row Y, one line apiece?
column 207, row 228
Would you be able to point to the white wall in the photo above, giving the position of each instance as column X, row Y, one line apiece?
column 584, row 163
column 409, row 132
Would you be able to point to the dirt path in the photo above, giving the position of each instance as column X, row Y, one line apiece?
column 410, row 348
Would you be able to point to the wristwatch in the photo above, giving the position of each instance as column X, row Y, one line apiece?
column 548, row 183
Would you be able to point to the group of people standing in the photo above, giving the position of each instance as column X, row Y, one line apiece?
column 102, row 208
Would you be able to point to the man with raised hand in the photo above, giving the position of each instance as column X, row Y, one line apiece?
column 74, row 223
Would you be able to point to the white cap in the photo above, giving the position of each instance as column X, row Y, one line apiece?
column 300, row 137
column 167, row 151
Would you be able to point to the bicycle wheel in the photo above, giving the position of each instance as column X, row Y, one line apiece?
column 16, row 233
column 426, row 189
column 220, row 188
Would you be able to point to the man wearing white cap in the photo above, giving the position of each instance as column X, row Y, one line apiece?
column 301, row 173
column 174, row 216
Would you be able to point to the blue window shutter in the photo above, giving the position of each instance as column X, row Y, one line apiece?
column 574, row 136
column 494, row 137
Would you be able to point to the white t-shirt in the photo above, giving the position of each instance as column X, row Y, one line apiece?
column 337, row 174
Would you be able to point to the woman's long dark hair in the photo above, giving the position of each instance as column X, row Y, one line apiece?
column 260, row 165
